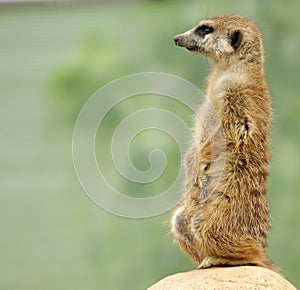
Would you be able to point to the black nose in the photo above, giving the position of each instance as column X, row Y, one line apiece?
column 176, row 40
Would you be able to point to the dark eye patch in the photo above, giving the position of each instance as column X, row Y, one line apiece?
column 204, row 29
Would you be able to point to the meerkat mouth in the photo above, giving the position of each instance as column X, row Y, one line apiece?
column 192, row 48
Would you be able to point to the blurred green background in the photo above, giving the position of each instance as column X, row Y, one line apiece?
column 53, row 57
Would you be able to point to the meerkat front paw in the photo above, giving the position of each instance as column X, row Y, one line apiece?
column 176, row 223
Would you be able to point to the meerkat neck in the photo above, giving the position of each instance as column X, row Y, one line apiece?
column 223, row 77
column 238, row 66
column 247, row 66
column 235, row 73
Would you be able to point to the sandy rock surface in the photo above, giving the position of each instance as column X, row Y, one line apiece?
column 244, row 277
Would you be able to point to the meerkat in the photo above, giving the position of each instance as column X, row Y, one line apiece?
column 223, row 218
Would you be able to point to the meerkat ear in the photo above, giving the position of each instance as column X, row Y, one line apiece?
column 236, row 39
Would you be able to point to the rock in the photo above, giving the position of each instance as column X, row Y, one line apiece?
column 243, row 277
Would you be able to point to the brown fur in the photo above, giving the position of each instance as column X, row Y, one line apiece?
column 223, row 218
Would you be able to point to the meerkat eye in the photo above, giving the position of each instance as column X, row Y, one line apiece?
column 204, row 29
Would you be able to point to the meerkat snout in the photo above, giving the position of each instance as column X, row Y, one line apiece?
column 178, row 40
column 186, row 40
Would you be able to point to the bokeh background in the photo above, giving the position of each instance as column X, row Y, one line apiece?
column 53, row 56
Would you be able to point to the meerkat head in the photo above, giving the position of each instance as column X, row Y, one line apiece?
column 224, row 38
